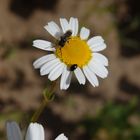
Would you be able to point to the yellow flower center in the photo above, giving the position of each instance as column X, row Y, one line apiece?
column 75, row 51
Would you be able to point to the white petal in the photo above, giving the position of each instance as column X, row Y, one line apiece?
column 65, row 78
column 13, row 131
column 68, row 80
column 64, row 24
column 91, row 76
column 80, row 76
column 101, row 58
column 74, row 26
column 56, row 72
column 35, row 132
column 102, row 70
column 95, row 68
column 46, row 68
column 53, row 29
column 61, row 137
column 98, row 47
column 95, row 40
column 84, row 33
column 42, row 60
column 44, row 45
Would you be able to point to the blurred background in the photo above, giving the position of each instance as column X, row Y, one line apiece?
column 108, row 112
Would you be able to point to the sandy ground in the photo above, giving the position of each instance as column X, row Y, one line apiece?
column 21, row 86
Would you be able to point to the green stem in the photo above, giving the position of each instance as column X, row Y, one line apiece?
column 39, row 111
column 48, row 96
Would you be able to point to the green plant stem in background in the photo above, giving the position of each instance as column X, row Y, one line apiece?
column 39, row 111
column 48, row 96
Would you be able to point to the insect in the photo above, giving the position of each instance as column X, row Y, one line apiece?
column 64, row 38
column 73, row 67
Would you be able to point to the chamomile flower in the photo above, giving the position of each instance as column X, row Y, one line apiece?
column 35, row 131
column 72, row 52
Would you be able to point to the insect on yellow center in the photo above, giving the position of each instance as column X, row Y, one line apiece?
column 75, row 51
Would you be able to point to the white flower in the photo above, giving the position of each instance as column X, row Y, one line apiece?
column 35, row 131
column 61, row 137
column 72, row 53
